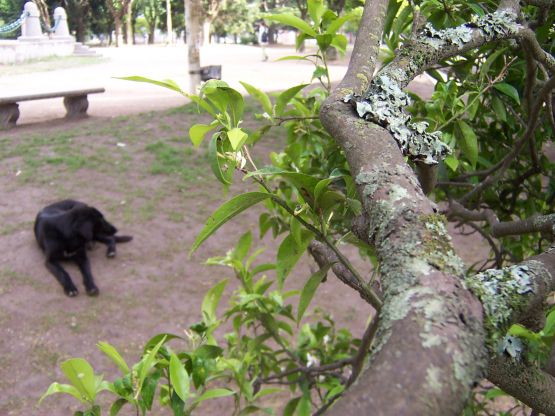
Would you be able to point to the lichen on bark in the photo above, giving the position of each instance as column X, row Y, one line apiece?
column 384, row 105
column 504, row 293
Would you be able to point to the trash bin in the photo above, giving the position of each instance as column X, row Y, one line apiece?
column 210, row 72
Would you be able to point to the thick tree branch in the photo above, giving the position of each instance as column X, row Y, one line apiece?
column 529, row 384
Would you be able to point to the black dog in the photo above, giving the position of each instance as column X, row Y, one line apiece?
column 64, row 231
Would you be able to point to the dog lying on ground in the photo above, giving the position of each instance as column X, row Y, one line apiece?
column 64, row 231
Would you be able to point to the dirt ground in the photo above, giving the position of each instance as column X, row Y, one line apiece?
column 119, row 164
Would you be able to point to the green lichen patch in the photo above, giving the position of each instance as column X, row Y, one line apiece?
column 494, row 25
column 384, row 105
column 498, row 24
column 502, row 292
column 433, row 379
column 437, row 247
column 438, row 38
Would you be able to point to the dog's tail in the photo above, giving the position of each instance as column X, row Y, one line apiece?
column 123, row 238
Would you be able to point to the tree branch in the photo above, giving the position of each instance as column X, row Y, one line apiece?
column 324, row 256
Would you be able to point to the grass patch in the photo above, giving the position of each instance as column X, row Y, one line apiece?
column 170, row 159
column 50, row 64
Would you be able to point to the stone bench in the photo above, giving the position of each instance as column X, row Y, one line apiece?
column 75, row 102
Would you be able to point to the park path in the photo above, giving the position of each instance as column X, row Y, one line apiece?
column 239, row 63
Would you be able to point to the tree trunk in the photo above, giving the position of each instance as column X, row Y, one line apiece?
column 129, row 24
column 206, row 26
column 193, row 13
column 169, row 21
column 117, row 29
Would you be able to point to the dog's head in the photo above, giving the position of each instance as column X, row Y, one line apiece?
column 91, row 222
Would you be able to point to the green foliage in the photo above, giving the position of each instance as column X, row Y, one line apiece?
column 187, row 377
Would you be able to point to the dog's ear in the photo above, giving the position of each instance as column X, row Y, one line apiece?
column 84, row 227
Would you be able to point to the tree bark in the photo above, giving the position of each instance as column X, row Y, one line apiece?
column 193, row 13
column 169, row 21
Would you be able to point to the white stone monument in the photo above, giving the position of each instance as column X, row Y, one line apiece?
column 30, row 29
column 61, row 30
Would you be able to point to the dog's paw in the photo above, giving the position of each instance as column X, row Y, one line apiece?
column 71, row 292
column 93, row 291
column 111, row 253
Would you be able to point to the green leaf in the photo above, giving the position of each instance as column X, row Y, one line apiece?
column 147, row 363
column 211, row 300
column 152, row 342
column 213, row 394
column 225, row 212
column 179, row 378
column 62, row 388
column 81, row 375
column 267, row 392
column 149, row 388
column 549, row 327
column 177, row 405
column 293, row 58
column 324, row 41
column 469, row 142
column 319, row 72
column 237, row 138
column 316, row 8
column 295, row 229
column 114, row 355
column 519, row 331
column 116, row 406
column 286, row 96
column 291, row 406
column 499, row 109
column 215, row 148
column 243, row 246
column 288, row 255
column 495, row 392
column 309, row 290
column 508, row 90
column 167, row 83
column 452, row 162
column 207, row 352
column 259, row 95
column 224, row 98
column 339, row 42
column 198, row 131
column 303, row 409
column 477, row 9
column 484, row 69
column 291, row 20
column 340, row 21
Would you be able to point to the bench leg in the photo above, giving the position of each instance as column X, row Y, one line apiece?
column 76, row 107
column 9, row 113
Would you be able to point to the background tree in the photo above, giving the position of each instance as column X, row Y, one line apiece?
column 177, row 17
column 151, row 10
column 78, row 13
column 236, row 18
column 118, row 9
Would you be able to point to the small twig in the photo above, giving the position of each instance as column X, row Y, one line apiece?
column 366, row 341
column 285, row 119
